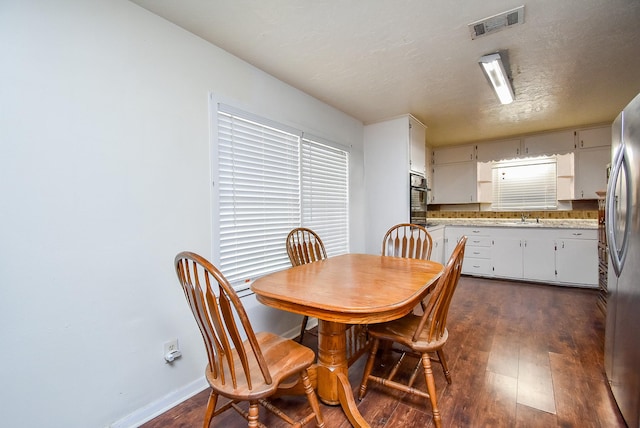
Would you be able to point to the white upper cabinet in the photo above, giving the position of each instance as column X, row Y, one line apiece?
column 594, row 137
column 551, row 143
column 417, row 146
column 454, row 175
column 454, row 183
column 453, row 154
column 593, row 153
column 583, row 155
column 498, row 150
column 591, row 172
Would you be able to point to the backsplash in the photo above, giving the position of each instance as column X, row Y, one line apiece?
column 573, row 214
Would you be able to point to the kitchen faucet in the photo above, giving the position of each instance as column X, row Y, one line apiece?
column 524, row 217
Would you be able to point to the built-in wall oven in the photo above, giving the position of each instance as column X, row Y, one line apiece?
column 418, row 199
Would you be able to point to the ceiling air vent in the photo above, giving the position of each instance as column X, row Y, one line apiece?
column 497, row 22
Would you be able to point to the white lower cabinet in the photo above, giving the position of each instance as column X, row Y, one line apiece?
column 550, row 255
column 477, row 259
column 507, row 257
column 437, row 250
column 571, row 254
column 538, row 257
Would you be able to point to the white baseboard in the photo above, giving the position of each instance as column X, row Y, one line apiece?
column 160, row 406
column 295, row 331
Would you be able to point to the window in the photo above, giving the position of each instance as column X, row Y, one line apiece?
column 272, row 178
column 525, row 184
column 325, row 194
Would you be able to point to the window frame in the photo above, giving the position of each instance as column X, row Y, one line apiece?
column 303, row 138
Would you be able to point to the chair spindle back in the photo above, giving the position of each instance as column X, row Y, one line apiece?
column 437, row 309
column 407, row 240
column 304, row 246
column 217, row 310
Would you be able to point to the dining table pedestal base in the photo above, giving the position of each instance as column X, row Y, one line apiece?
column 333, row 377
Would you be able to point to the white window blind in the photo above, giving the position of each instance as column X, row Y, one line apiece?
column 525, row 184
column 325, row 194
column 268, row 178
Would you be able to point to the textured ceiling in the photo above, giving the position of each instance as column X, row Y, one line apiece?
column 573, row 62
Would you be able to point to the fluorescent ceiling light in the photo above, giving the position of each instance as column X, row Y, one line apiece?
column 493, row 68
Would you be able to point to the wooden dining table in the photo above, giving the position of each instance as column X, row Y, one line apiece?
column 341, row 291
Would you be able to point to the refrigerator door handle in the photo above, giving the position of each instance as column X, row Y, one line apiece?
column 618, row 250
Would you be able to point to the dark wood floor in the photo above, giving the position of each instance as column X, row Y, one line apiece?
column 521, row 355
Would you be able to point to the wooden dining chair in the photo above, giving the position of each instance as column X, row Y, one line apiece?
column 419, row 336
column 304, row 246
column 407, row 240
column 241, row 370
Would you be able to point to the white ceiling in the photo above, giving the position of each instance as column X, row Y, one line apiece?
column 573, row 62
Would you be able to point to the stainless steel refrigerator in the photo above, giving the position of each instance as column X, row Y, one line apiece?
column 622, row 340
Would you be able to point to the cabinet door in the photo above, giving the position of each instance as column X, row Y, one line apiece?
column 445, row 155
column 417, row 149
column 507, row 257
column 551, row 143
column 452, row 235
column 594, row 137
column 454, row 183
column 591, row 171
column 498, row 150
column 539, row 259
column 437, row 251
column 577, row 262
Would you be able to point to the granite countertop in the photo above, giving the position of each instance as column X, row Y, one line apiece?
column 565, row 223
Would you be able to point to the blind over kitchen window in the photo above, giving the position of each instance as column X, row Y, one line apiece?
column 525, row 184
column 271, row 180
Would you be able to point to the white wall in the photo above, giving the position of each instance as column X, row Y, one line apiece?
column 104, row 177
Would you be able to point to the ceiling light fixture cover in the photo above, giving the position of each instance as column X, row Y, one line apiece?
column 495, row 72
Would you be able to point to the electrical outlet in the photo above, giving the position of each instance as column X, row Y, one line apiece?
column 171, row 346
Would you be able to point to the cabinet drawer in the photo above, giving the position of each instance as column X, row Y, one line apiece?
column 478, row 252
column 478, row 241
column 473, row 266
column 577, row 234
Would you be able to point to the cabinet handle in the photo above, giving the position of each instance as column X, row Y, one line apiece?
column 475, row 231
column 577, row 233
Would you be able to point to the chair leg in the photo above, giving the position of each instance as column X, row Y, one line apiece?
column 303, row 328
column 445, row 368
column 368, row 367
column 431, row 388
column 211, row 408
column 253, row 415
column 312, row 398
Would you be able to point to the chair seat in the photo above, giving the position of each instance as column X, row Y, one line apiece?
column 284, row 357
column 402, row 330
